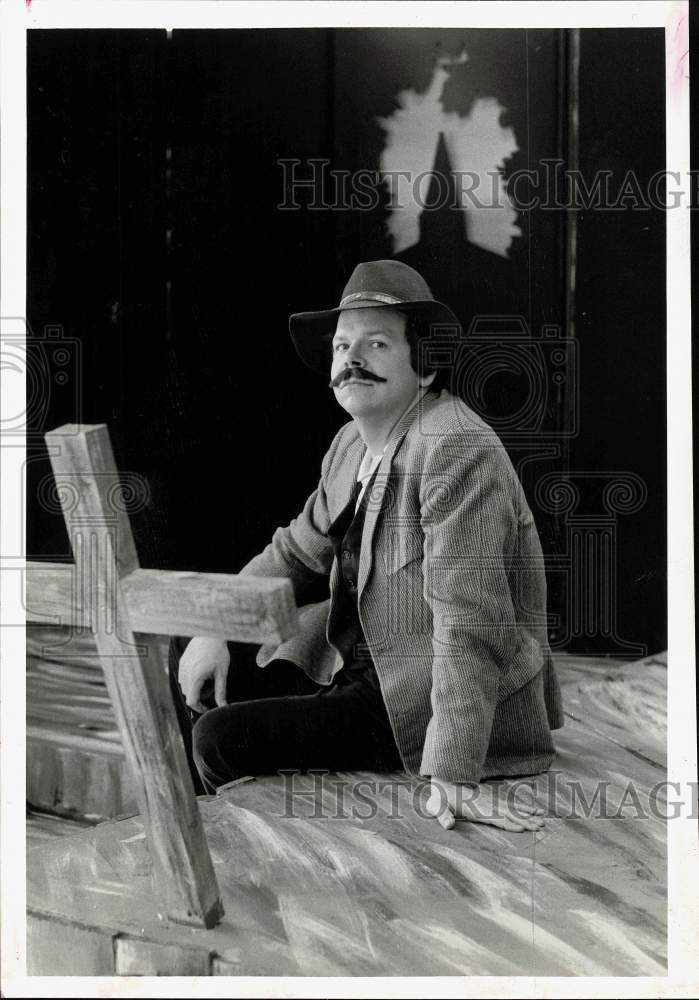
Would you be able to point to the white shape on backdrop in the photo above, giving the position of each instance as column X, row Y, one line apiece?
column 476, row 144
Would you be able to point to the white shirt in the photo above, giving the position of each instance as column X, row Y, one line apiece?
column 370, row 463
column 368, row 467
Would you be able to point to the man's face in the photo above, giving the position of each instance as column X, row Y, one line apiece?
column 370, row 341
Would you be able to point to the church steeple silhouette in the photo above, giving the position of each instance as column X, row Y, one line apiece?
column 471, row 279
column 442, row 216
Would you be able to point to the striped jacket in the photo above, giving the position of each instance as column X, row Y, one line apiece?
column 452, row 594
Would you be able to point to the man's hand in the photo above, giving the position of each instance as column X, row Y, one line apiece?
column 202, row 659
column 484, row 803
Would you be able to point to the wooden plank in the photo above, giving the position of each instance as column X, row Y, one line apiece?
column 106, row 790
column 68, row 707
column 50, row 595
column 241, row 608
column 70, row 654
column 44, row 777
column 100, row 534
column 66, row 948
column 247, row 953
column 137, row 957
column 46, row 827
column 237, row 608
column 102, row 745
column 70, row 650
column 90, row 493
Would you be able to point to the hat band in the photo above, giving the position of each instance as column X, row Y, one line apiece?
column 388, row 300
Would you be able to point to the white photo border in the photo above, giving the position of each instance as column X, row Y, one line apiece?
column 20, row 16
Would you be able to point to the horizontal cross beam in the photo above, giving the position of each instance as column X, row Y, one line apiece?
column 164, row 602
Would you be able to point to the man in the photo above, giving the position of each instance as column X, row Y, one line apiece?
column 431, row 653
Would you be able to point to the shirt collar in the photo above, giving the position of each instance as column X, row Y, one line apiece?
column 369, row 465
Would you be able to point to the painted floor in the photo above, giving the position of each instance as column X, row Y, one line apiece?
column 358, row 882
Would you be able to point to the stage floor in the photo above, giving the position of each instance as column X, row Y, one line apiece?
column 359, row 883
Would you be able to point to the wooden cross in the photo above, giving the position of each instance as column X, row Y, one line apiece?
column 106, row 591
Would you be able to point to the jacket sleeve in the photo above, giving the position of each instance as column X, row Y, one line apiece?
column 469, row 523
column 301, row 551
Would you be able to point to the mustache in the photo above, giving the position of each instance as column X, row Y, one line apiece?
column 356, row 372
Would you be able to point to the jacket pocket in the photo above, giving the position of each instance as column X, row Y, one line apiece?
column 400, row 550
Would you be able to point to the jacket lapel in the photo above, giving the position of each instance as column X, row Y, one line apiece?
column 378, row 493
column 348, row 468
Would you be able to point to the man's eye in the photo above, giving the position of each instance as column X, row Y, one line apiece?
column 377, row 343
column 339, row 347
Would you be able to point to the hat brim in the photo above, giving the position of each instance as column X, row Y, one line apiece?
column 312, row 332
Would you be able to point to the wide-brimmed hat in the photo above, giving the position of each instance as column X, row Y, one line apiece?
column 381, row 284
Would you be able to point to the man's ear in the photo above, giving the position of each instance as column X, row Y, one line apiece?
column 425, row 380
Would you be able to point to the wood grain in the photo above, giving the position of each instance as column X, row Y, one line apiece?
column 236, row 608
column 50, row 595
column 67, row 948
column 359, row 882
column 46, row 827
column 71, row 728
column 242, row 608
column 136, row 957
column 104, row 552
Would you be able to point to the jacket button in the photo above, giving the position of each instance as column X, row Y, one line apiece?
column 346, row 554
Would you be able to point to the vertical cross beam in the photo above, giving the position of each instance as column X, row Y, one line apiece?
column 98, row 526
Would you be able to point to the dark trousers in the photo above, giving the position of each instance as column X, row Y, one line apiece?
column 279, row 719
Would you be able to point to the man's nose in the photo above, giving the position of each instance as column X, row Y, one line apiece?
column 353, row 356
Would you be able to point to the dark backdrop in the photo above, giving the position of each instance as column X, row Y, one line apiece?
column 158, row 254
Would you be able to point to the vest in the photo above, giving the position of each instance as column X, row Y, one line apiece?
column 345, row 533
